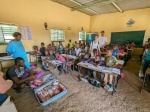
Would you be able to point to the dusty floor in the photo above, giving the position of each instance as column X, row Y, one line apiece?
column 82, row 97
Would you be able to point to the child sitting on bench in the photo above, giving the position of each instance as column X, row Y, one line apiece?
column 45, row 64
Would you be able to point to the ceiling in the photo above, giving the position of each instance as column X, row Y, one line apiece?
column 95, row 7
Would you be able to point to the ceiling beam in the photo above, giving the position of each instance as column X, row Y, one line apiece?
column 83, row 5
column 116, row 6
column 92, row 4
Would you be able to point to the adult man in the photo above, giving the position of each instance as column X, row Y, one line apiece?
column 6, row 105
column 102, row 40
column 20, row 75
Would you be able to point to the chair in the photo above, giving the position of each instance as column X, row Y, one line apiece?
column 147, row 73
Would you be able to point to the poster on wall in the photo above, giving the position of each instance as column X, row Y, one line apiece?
column 26, row 32
column 82, row 35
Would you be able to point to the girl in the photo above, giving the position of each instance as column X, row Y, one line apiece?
column 60, row 58
column 121, row 52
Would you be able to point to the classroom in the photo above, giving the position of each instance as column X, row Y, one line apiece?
column 74, row 56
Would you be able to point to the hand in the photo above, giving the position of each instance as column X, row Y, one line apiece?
column 33, row 72
column 1, row 74
column 33, row 77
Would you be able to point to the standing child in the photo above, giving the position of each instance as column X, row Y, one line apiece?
column 42, row 49
column 45, row 64
column 61, row 59
column 97, row 62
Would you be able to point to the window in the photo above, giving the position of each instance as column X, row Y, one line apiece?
column 6, row 31
column 82, row 35
column 57, row 35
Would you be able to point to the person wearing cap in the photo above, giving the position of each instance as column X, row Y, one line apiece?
column 102, row 40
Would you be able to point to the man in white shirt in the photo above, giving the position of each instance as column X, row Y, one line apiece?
column 102, row 40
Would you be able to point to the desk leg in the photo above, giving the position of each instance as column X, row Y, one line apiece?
column 114, row 84
column 1, row 66
column 79, row 77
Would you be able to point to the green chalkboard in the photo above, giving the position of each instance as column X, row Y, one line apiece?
column 132, row 36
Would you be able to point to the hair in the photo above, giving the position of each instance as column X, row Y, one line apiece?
column 94, row 50
column 87, row 54
column 42, row 43
column 17, row 60
column 98, row 56
column 102, row 31
column 16, row 34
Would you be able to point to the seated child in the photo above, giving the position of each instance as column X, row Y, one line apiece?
column 97, row 62
column 20, row 75
column 115, row 51
column 60, row 58
column 111, row 61
column 86, row 71
column 78, row 50
column 51, row 55
column 132, row 45
column 121, row 52
column 87, row 48
column 66, row 50
column 45, row 64
column 94, row 53
column 35, row 50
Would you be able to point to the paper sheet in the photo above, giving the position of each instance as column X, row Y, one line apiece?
column 6, row 58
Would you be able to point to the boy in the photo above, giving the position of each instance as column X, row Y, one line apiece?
column 51, row 55
column 70, row 44
column 86, row 71
column 97, row 62
column 42, row 49
column 60, row 48
column 115, row 51
column 78, row 50
column 111, row 61
column 45, row 59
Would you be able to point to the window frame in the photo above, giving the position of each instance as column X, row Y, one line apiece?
column 57, row 35
column 3, row 34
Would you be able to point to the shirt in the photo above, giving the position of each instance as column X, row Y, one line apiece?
column 78, row 51
column 115, row 52
column 3, row 97
column 99, row 62
column 51, row 56
column 94, row 45
column 102, row 41
column 121, row 51
column 60, row 58
column 70, row 44
column 60, row 49
column 14, row 72
column 42, row 51
column 87, row 60
column 111, row 61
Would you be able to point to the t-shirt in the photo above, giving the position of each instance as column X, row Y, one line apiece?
column 100, row 62
column 102, row 40
column 78, row 51
column 52, row 56
column 121, row 51
column 70, row 44
column 3, row 97
column 111, row 61
column 42, row 51
column 94, row 45
column 60, row 58
column 115, row 52
column 132, row 46
column 14, row 72
column 60, row 49
column 87, row 60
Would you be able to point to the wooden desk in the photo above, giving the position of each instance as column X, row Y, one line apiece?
column 86, row 65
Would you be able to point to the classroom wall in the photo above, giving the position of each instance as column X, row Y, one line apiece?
column 116, row 22
column 35, row 13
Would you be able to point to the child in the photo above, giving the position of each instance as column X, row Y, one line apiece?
column 121, row 52
column 66, row 50
column 86, row 71
column 60, row 48
column 78, row 50
column 132, row 45
column 111, row 61
column 115, row 51
column 42, row 49
column 87, row 48
column 94, row 53
column 45, row 65
column 60, row 58
column 70, row 43
column 49, row 46
column 97, row 62
column 51, row 55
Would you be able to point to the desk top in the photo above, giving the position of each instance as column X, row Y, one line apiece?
column 55, row 62
column 70, row 56
column 6, row 58
column 103, row 69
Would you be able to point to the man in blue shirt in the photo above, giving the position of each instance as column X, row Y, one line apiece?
column 5, row 105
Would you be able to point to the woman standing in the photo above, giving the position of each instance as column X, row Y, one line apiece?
column 94, row 45
column 16, row 48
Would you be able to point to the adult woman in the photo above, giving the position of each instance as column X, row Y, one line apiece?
column 94, row 45
column 16, row 48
